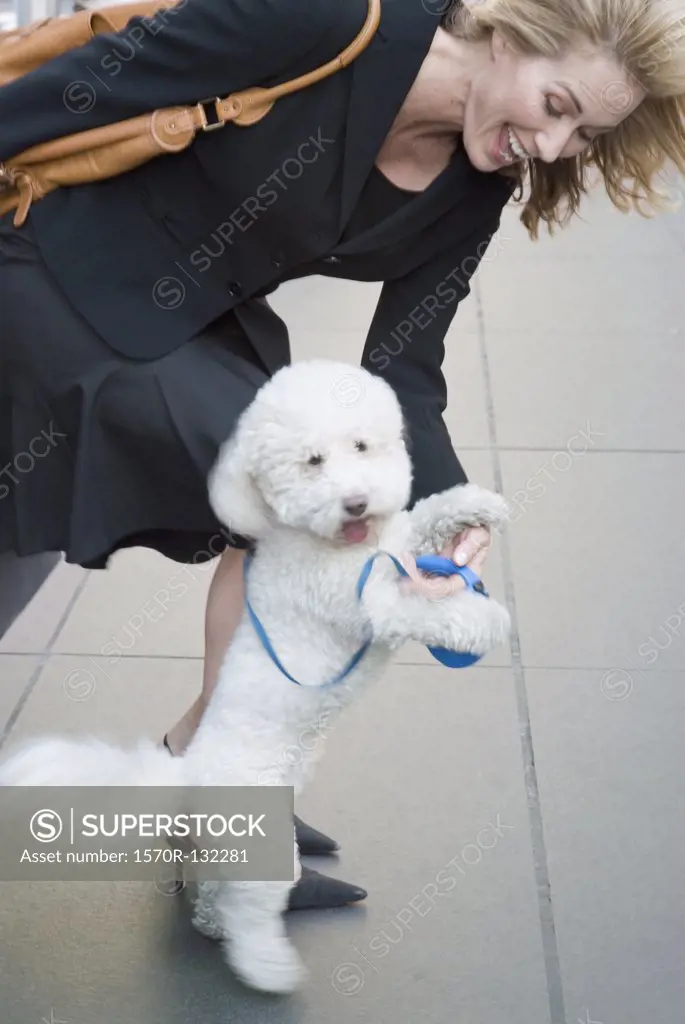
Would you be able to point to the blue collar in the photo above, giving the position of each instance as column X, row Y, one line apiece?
column 434, row 564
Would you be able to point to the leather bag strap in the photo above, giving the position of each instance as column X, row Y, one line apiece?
column 113, row 149
column 251, row 105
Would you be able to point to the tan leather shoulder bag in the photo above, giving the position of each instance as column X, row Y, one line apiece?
column 104, row 152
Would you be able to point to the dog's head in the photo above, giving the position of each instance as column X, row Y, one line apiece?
column 321, row 448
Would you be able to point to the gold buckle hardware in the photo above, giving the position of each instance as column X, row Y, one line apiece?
column 210, row 126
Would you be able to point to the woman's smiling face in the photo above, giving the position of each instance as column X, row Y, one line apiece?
column 530, row 107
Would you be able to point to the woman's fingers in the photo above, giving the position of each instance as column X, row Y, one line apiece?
column 478, row 561
column 470, row 547
column 427, row 586
column 468, row 544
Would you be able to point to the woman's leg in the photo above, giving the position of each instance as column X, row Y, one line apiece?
column 224, row 609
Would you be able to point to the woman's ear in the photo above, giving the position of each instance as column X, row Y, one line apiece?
column 498, row 45
column 233, row 493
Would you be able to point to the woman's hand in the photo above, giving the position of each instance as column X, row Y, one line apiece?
column 470, row 547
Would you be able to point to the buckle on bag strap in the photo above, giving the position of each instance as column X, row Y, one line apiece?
column 209, row 112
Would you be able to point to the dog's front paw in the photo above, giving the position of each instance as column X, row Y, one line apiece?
column 266, row 964
column 481, row 506
column 436, row 520
column 491, row 624
column 467, row 623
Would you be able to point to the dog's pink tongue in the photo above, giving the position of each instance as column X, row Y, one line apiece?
column 355, row 532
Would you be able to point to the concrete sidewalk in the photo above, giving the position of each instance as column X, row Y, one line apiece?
column 545, row 783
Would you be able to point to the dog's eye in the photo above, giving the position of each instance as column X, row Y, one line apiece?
column 315, row 460
column 361, row 446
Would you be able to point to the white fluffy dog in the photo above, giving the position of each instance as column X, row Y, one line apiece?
column 318, row 474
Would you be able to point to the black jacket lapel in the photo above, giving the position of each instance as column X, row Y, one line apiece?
column 381, row 78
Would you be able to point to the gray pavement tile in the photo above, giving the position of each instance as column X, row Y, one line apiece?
column 328, row 305
column 434, row 762
column 600, row 232
column 598, row 562
column 15, row 673
column 134, row 697
column 637, row 297
column 676, row 227
column 434, row 777
column 143, row 604
column 313, row 343
column 548, row 386
column 610, row 763
column 466, row 414
column 34, row 628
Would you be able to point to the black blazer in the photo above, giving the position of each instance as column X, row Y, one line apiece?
column 153, row 256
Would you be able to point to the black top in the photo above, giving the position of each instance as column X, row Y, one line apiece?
column 379, row 199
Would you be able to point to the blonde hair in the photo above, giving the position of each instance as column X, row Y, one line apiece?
column 647, row 37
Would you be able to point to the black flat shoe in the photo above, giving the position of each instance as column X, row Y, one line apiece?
column 315, row 891
column 309, row 840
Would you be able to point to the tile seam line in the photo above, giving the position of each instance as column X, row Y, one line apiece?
column 550, row 950
column 198, row 657
column 42, row 661
column 597, row 450
column 605, row 667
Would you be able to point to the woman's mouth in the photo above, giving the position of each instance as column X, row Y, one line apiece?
column 508, row 148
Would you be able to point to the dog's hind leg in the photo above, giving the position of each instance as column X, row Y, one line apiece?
column 205, row 917
column 250, row 918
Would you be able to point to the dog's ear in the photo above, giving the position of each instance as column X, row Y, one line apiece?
column 233, row 493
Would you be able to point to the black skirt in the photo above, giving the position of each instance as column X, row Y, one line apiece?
column 98, row 451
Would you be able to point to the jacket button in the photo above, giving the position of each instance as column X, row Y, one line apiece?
column 332, row 259
column 234, row 288
column 278, row 259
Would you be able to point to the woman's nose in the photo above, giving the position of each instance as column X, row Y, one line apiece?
column 551, row 144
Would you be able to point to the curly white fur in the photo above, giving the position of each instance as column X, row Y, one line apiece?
column 302, row 584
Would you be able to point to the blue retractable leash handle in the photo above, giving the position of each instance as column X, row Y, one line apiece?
column 435, row 565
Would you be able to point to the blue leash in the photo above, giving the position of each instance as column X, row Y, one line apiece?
column 266, row 643
column 435, row 565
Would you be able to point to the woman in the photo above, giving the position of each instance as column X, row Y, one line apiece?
column 134, row 324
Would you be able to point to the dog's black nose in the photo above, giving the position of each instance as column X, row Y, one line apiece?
column 355, row 506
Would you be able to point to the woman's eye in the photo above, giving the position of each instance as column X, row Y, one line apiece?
column 361, row 446
column 551, row 109
column 315, row 460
